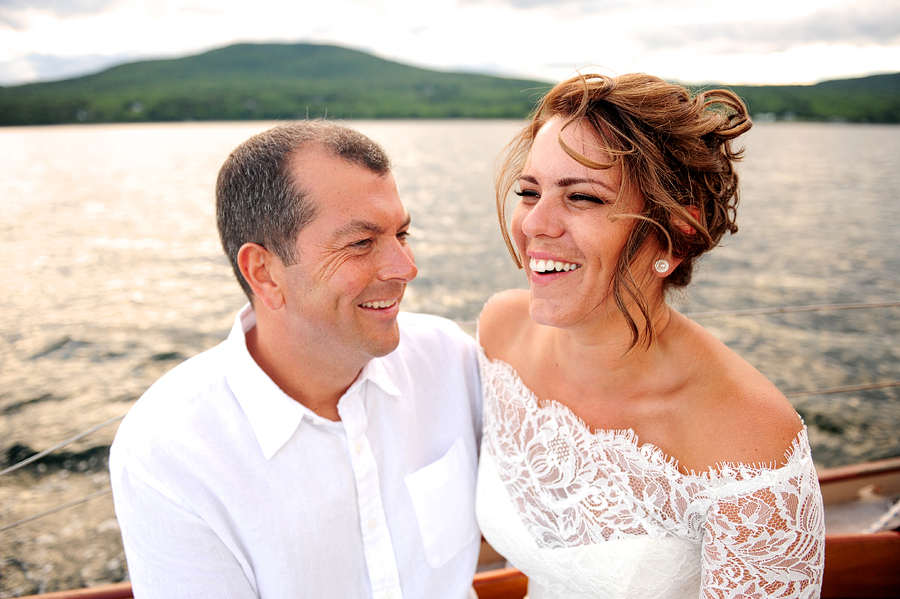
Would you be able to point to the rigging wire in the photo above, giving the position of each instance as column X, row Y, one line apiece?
column 758, row 311
column 752, row 311
column 58, row 508
column 784, row 310
column 847, row 389
column 49, row 450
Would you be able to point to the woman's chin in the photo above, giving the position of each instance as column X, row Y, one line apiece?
column 546, row 315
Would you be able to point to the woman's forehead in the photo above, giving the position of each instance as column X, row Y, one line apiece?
column 547, row 150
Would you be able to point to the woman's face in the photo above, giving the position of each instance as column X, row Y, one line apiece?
column 563, row 230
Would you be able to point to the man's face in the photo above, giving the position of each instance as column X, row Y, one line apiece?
column 353, row 262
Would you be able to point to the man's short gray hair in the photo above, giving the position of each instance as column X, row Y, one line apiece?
column 258, row 198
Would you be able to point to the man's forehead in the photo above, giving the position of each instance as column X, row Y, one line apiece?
column 347, row 197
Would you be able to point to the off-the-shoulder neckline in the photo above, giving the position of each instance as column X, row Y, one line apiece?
column 718, row 472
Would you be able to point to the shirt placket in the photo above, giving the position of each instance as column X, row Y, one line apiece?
column 381, row 563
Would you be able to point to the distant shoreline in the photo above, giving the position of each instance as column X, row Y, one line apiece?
column 252, row 82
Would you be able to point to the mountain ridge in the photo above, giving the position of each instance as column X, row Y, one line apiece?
column 284, row 81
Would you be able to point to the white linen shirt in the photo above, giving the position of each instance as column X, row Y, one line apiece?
column 226, row 487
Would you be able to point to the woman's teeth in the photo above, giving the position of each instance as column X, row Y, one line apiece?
column 551, row 266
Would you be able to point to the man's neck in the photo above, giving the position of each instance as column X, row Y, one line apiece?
column 317, row 382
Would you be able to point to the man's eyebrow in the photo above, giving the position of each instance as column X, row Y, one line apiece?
column 355, row 227
column 567, row 181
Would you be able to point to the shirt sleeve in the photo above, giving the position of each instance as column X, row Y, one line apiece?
column 172, row 553
column 768, row 541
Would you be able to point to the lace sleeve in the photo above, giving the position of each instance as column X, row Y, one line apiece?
column 767, row 542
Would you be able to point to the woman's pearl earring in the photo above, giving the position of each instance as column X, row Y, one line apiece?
column 661, row 266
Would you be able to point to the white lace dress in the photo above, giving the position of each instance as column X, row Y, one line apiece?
column 596, row 515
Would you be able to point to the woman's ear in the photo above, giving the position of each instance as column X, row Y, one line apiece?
column 261, row 269
column 665, row 264
column 684, row 227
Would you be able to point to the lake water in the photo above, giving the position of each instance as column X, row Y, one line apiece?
column 113, row 271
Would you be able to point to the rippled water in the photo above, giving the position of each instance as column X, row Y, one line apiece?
column 113, row 271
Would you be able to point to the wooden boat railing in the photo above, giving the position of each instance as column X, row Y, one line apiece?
column 857, row 566
column 119, row 590
column 863, row 566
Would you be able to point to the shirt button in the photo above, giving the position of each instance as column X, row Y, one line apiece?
column 388, row 595
column 358, row 446
column 372, row 524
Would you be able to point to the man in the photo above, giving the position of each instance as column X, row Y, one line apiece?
column 327, row 448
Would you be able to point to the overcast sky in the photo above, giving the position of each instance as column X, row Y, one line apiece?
column 694, row 41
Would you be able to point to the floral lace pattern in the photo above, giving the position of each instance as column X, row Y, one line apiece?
column 758, row 531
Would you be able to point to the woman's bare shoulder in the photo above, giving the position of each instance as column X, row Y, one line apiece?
column 758, row 422
column 504, row 319
column 742, row 416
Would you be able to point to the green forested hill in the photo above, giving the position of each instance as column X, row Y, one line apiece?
column 284, row 81
column 274, row 81
column 873, row 99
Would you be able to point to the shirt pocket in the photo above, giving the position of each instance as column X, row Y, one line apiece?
column 443, row 495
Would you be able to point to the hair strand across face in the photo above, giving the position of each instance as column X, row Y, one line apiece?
column 675, row 150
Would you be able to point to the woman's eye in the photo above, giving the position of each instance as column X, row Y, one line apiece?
column 527, row 193
column 581, row 197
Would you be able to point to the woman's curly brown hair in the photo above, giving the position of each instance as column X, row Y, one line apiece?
column 674, row 149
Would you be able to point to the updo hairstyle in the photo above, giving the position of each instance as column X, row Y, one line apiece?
column 674, row 149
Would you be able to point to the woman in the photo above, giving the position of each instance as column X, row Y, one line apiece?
column 627, row 452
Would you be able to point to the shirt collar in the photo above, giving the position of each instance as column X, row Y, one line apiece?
column 376, row 372
column 272, row 414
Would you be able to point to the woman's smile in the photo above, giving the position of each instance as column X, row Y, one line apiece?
column 564, row 225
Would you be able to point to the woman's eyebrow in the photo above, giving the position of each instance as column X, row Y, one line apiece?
column 567, row 181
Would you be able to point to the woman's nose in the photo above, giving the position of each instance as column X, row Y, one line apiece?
column 541, row 218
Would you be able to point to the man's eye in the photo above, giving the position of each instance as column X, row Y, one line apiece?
column 403, row 235
column 361, row 244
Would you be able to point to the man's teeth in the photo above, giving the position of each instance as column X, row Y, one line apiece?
column 551, row 266
column 381, row 304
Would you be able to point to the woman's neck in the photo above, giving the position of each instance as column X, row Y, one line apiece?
column 602, row 356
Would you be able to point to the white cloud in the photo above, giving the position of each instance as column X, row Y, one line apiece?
column 768, row 41
column 865, row 24
column 18, row 14
column 805, row 65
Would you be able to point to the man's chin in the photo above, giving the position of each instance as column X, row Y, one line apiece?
column 385, row 344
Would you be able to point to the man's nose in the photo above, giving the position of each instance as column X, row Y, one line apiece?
column 398, row 263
